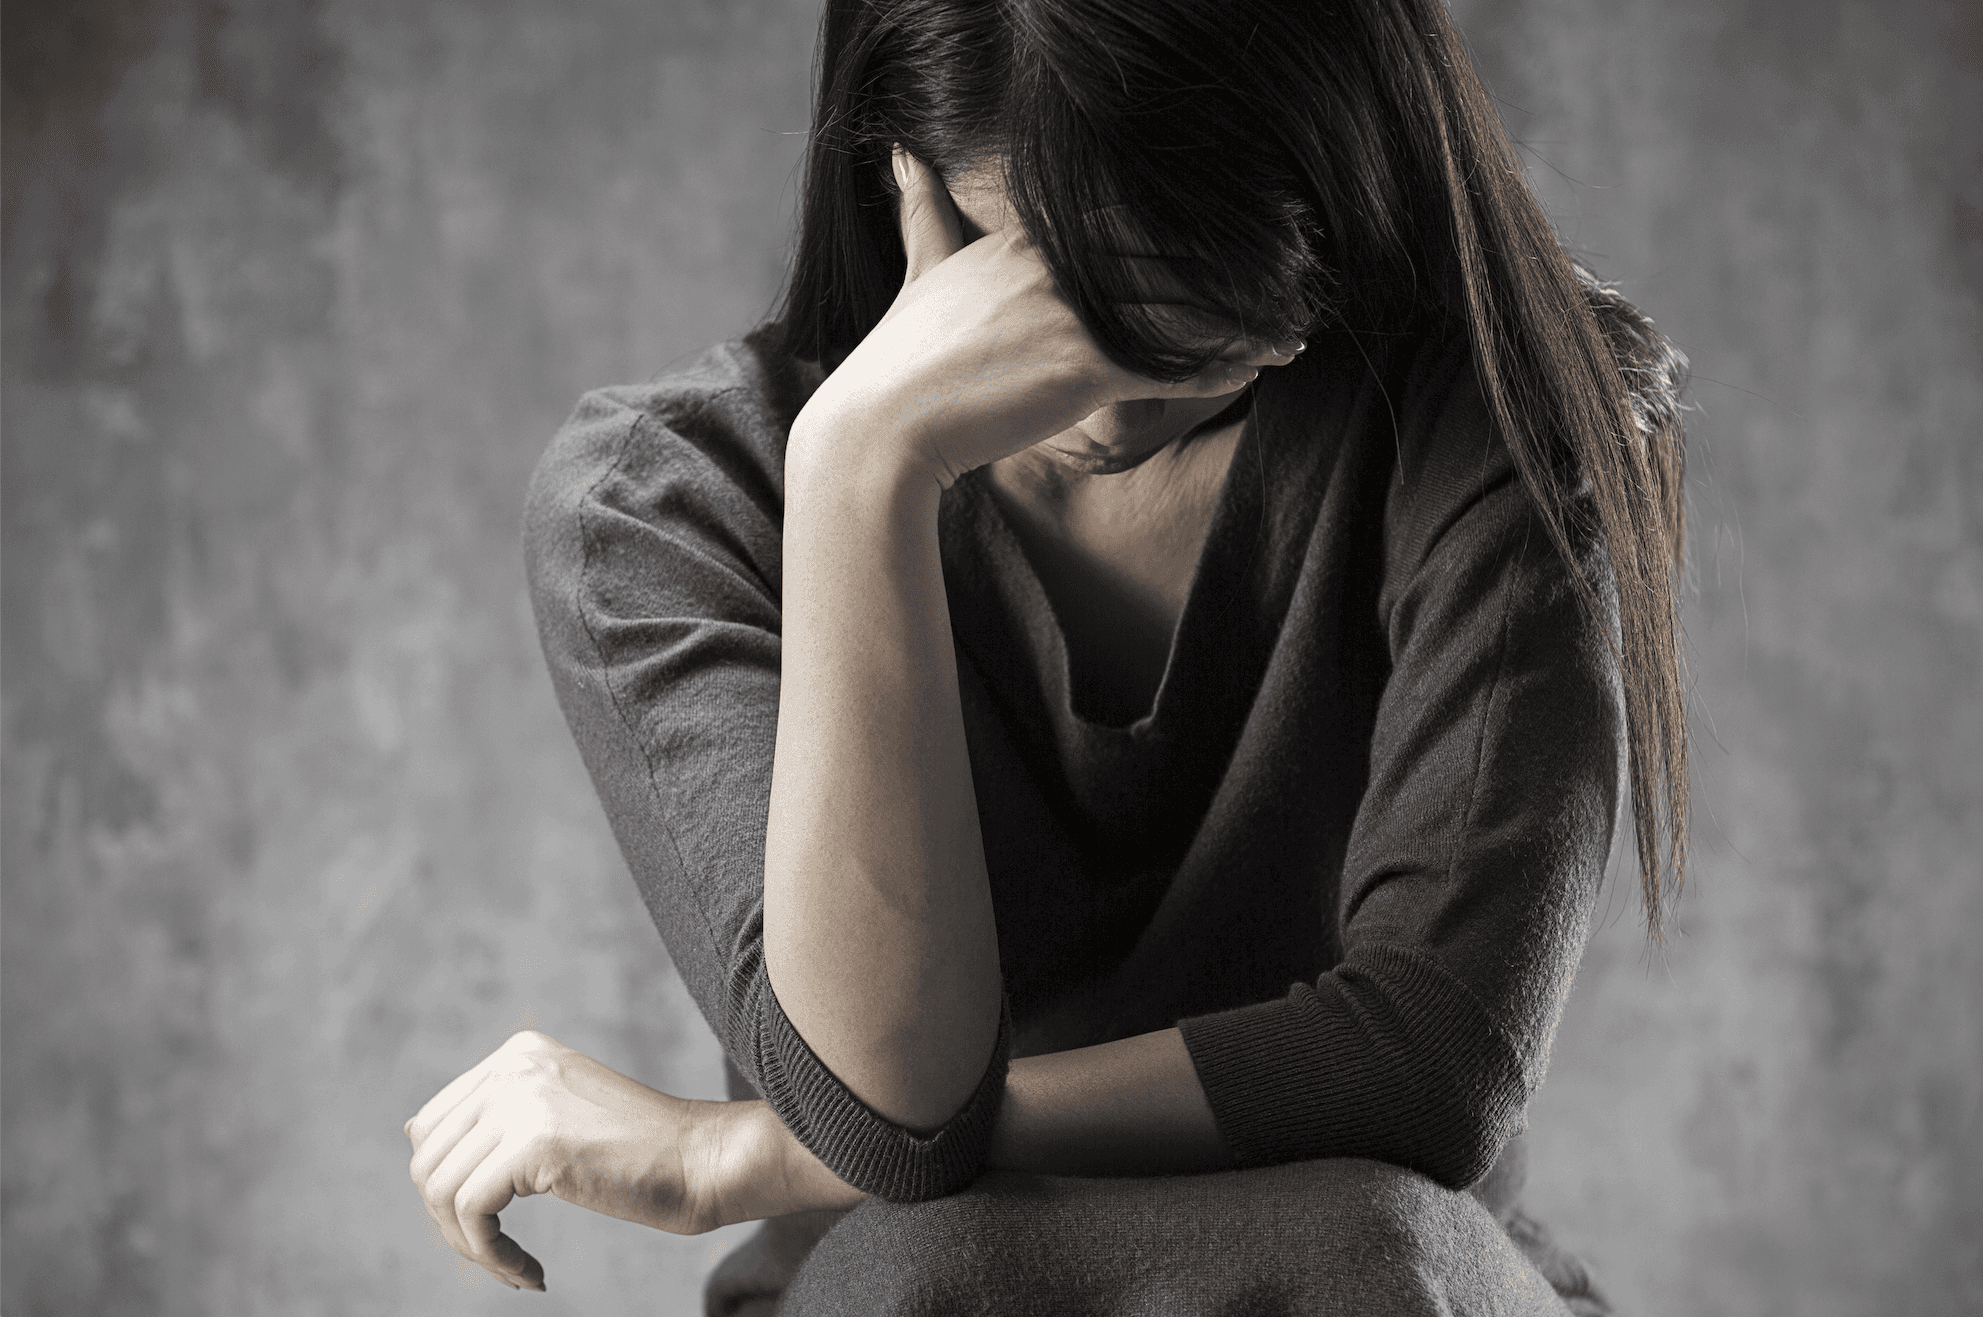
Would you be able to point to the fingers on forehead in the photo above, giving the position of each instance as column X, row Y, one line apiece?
column 1189, row 327
column 1159, row 282
column 1171, row 268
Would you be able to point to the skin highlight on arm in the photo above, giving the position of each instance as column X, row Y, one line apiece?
column 879, row 936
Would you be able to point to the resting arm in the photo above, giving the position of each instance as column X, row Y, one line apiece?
column 1130, row 1107
column 879, row 936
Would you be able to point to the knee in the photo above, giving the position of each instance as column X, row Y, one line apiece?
column 1399, row 1216
column 950, row 1255
column 1436, row 1248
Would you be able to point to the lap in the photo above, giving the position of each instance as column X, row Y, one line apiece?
column 1311, row 1237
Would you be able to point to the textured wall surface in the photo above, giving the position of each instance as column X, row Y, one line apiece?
column 1784, row 1114
column 295, row 295
column 296, row 290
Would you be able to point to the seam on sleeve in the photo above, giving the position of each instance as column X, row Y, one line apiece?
column 582, row 611
column 1487, row 707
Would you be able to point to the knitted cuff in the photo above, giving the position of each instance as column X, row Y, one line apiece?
column 865, row 1149
column 1387, row 1057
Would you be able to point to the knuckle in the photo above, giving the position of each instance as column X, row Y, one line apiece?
column 535, row 1073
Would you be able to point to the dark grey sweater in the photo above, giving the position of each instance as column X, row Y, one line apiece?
column 1352, row 849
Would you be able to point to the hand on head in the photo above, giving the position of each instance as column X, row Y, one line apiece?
column 979, row 356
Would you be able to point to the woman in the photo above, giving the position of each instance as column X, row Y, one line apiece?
column 1123, row 685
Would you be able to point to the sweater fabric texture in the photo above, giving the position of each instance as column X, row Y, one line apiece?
column 1352, row 849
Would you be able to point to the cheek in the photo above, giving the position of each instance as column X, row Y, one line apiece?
column 1134, row 417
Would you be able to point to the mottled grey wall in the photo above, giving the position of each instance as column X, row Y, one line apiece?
column 1785, row 1114
column 294, row 294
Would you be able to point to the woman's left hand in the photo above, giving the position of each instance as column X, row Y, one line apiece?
column 537, row 1117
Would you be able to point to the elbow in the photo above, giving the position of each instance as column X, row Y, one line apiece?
column 1457, row 1078
column 1467, row 1160
column 867, row 1149
column 861, row 1145
column 1481, row 1117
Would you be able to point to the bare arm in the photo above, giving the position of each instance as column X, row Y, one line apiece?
column 1130, row 1107
column 878, row 929
column 879, row 938
column 536, row 1117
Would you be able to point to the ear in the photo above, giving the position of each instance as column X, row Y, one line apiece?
column 931, row 231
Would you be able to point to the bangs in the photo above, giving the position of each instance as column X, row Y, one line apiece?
column 1134, row 210
column 1167, row 197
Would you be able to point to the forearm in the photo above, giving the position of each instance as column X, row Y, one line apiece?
column 878, row 929
column 1131, row 1107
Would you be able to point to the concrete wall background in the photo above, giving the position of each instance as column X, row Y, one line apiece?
column 296, row 290
column 1786, row 1114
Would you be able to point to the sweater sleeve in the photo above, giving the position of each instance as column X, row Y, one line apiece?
column 653, row 538
column 1475, row 855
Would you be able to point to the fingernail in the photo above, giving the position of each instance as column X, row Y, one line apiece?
column 1291, row 348
column 1242, row 374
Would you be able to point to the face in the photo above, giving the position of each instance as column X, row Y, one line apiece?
column 1116, row 438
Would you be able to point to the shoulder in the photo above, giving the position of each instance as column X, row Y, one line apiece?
column 691, row 463
column 707, row 437
column 721, row 419
column 1449, row 454
column 1467, row 541
column 1452, row 455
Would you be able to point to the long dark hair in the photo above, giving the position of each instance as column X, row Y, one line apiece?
column 1296, row 168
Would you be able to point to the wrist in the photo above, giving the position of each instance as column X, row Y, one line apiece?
column 842, row 448
column 756, row 1168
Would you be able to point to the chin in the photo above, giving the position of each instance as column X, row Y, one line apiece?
column 1105, row 464
column 1136, row 432
column 1106, row 459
